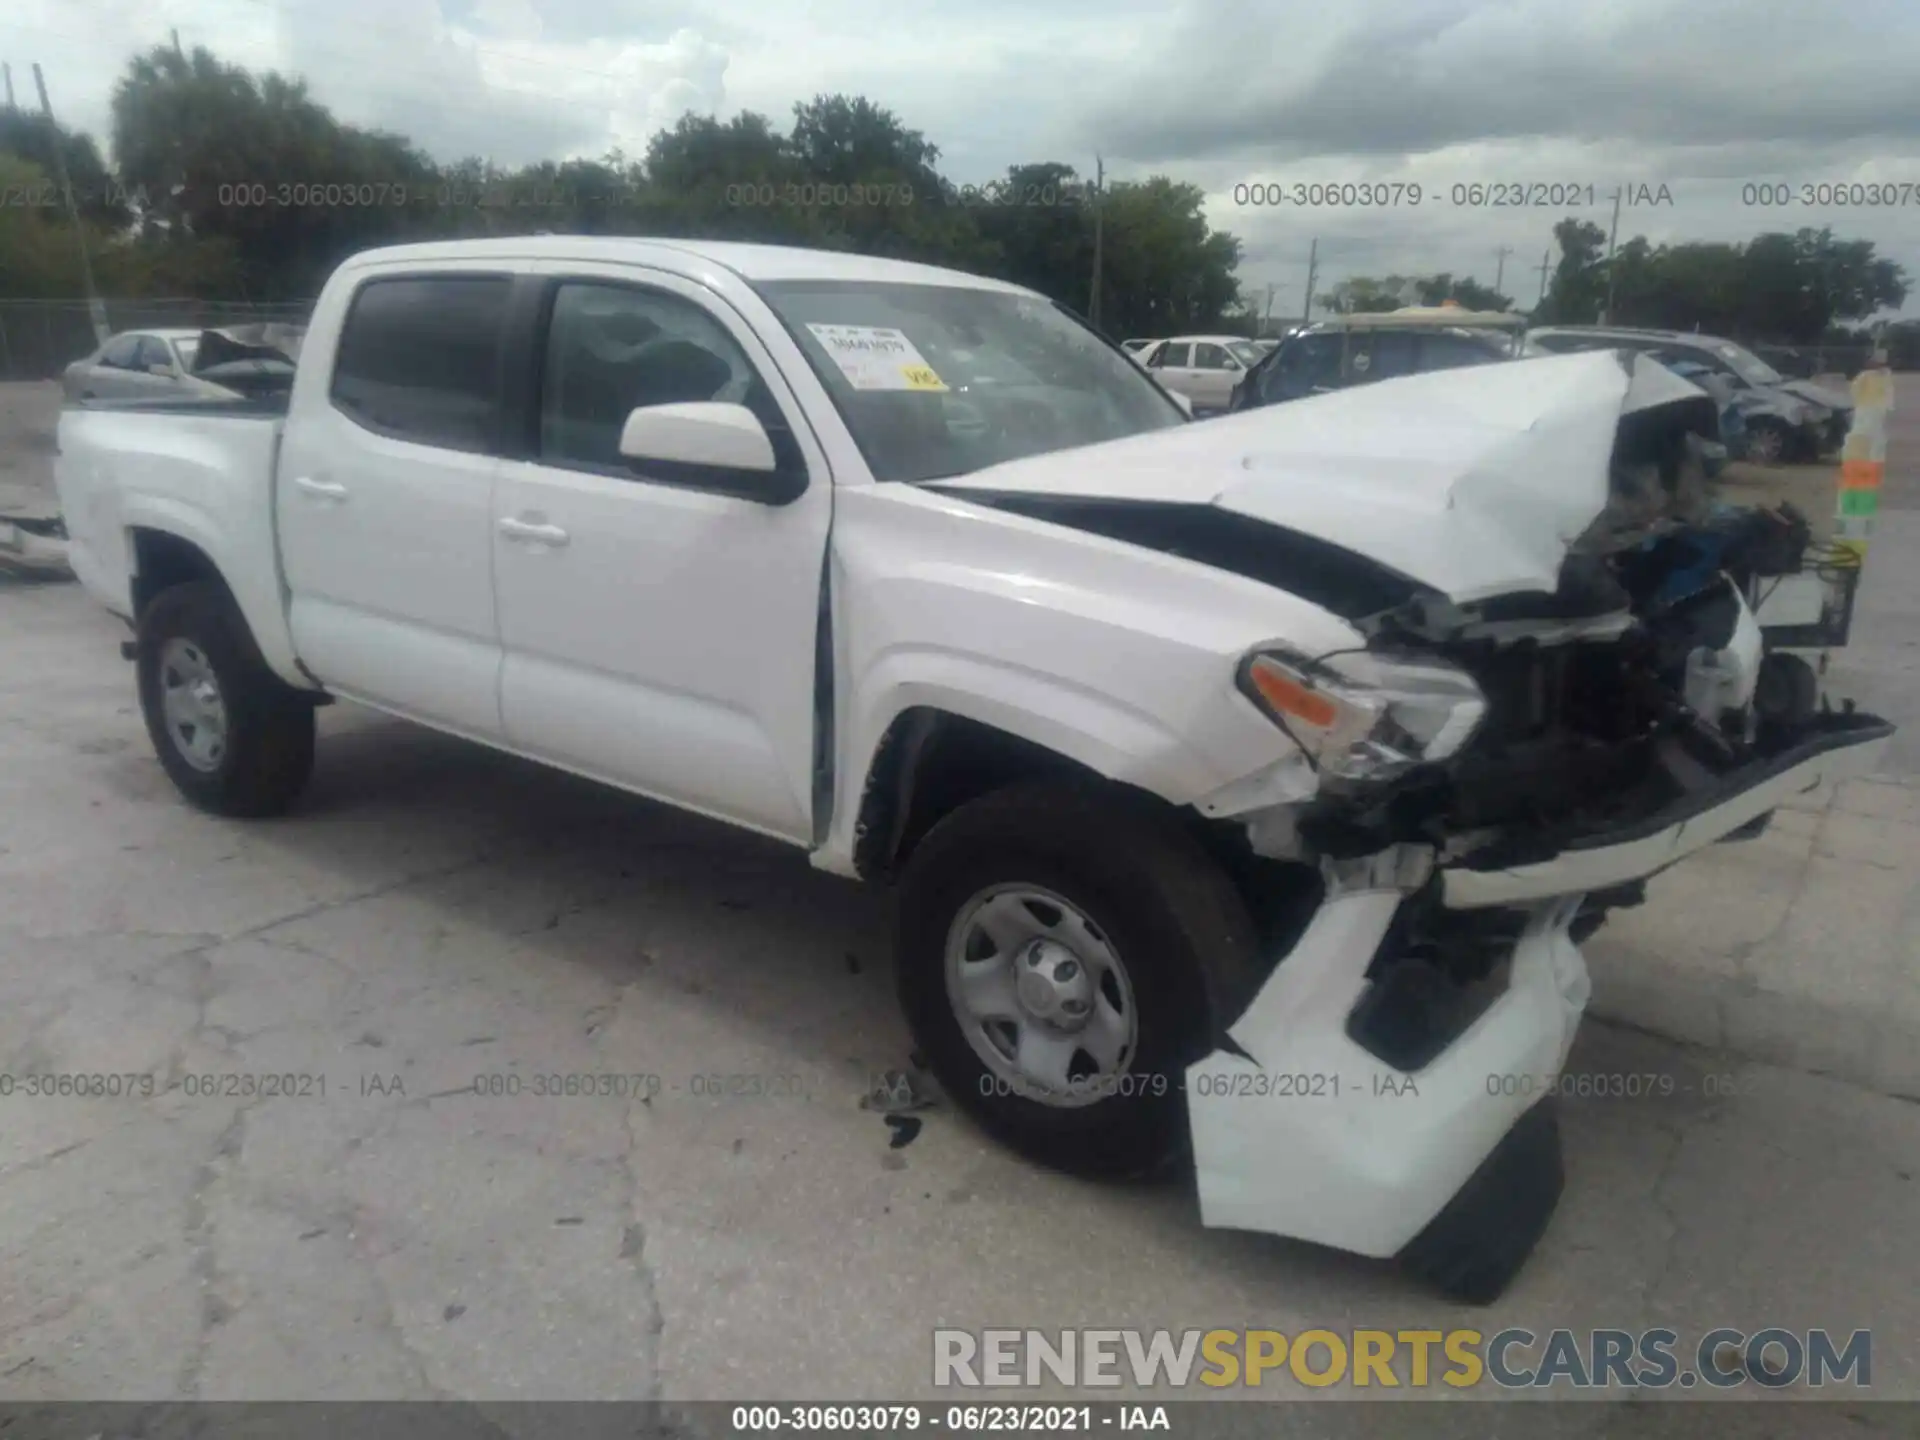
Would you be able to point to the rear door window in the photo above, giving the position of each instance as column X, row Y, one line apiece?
column 153, row 351
column 1208, row 356
column 1171, row 356
column 1448, row 352
column 1304, row 363
column 1382, row 355
column 419, row 359
column 122, row 352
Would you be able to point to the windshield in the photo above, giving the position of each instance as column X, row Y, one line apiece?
column 1246, row 352
column 940, row 380
column 1747, row 365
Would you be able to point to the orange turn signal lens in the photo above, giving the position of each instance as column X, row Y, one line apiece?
column 1289, row 697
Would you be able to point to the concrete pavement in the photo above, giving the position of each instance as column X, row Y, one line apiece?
column 1803, row 947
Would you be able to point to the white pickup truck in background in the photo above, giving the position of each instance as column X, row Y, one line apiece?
column 1248, row 784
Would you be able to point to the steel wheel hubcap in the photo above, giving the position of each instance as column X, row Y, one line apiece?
column 1041, row 995
column 190, row 700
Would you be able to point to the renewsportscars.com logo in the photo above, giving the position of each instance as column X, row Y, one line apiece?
column 1391, row 1359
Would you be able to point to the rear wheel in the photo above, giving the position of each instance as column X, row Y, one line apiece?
column 232, row 736
column 1064, row 955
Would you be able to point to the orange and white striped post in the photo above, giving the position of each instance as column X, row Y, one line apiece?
column 1863, row 459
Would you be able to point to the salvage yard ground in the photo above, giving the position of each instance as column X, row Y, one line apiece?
column 434, row 914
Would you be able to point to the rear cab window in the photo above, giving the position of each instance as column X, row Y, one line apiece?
column 1302, row 364
column 419, row 359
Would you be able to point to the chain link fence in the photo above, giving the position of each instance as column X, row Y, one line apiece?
column 40, row 338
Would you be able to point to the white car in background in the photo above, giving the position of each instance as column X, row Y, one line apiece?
column 1204, row 368
column 186, row 364
column 136, row 365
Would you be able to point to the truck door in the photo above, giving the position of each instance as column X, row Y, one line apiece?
column 658, row 634
column 384, row 499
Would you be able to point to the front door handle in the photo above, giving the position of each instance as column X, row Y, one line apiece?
column 533, row 533
column 325, row 489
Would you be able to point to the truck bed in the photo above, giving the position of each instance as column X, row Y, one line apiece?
column 201, row 471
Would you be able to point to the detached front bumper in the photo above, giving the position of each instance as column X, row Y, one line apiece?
column 1299, row 1129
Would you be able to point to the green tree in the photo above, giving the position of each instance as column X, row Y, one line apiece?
column 96, row 190
column 1579, row 285
column 217, row 154
column 1367, row 295
column 1466, row 292
column 1043, row 231
column 1163, row 269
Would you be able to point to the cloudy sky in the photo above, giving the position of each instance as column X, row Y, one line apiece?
column 1706, row 99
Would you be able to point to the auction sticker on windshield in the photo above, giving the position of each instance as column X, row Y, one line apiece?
column 873, row 357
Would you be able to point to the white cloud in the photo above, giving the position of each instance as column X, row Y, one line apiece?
column 1701, row 97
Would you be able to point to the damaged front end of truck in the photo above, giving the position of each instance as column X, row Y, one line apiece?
column 1486, row 780
column 1538, row 719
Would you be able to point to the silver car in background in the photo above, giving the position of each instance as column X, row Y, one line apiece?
column 183, row 364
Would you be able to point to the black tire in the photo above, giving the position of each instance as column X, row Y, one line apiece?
column 268, row 753
column 1181, row 930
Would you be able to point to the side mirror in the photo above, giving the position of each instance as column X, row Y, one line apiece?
column 1184, row 402
column 709, row 445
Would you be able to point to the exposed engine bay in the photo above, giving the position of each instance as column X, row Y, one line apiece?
column 1502, row 730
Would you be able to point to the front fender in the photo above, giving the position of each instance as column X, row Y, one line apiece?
column 1119, row 658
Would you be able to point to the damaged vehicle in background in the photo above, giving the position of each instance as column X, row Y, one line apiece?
column 1247, row 785
column 1784, row 420
column 182, row 364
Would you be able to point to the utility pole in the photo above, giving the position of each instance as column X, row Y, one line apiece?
column 1313, row 263
column 1546, row 263
column 1606, row 315
column 175, row 32
column 7, row 70
column 1267, row 319
column 95, row 309
column 1500, row 266
column 1099, row 192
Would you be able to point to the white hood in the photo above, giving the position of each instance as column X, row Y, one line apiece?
column 1474, row 482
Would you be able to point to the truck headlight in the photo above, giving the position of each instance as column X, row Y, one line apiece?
column 1366, row 716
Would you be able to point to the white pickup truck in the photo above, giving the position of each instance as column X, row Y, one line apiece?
column 1248, row 784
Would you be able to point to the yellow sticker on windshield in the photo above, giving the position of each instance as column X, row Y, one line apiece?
column 921, row 377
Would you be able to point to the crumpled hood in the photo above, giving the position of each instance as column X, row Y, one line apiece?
column 1475, row 482
column 1823, row 395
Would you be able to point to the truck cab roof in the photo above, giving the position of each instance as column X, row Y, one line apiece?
column 747, row 261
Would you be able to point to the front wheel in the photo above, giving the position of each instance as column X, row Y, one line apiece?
column 1064, row 955
column 233, row 737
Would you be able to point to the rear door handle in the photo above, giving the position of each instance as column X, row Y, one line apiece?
column 325, row 489
column 532, row 533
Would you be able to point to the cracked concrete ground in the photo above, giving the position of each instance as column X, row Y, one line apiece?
column 435, row 913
